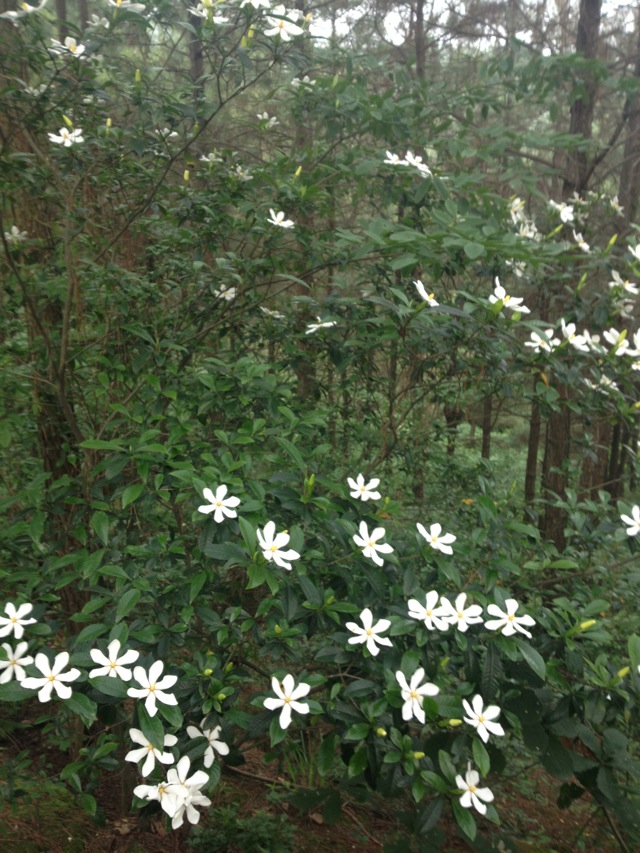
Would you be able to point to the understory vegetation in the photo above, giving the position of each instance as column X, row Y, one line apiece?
column 318, row 423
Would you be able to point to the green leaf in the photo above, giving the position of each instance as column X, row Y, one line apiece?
column 465, row 820
column 172, row 714
column 109, row 686
column 403, row 261
column 151, row 727
column 248, row 533
column 84, row 707
column 327, row 753
column 127, row 602
column 533, row 658
column 491, row 672
column 474, row 250
column 13, row 692
column 131, row 494
column 434, row 781
column 358, row 763
column 100, row 525
column 447, row 766
column 99, row 444
column 481, row 757
column 292, row 451
column 196, row 585
column 634, row 652
column 276, row 733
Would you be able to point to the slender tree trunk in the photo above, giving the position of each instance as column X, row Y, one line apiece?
column 629, row 186
column 61, row 13
column 531, row 471
column 420, row 41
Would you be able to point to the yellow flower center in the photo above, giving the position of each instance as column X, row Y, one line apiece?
column 434, row 538
column 150, row 747
column 460, row 614
column 372, row 544
column 12, row 662
column 152, row 688
column 273, row 549
column 14, row 619
column 51, row 677
column 112, row 664
column 511, row 617
column 218, row 503
column 369, row 632
column 414, row 695
column 472, row 789
column 506, row 298
column 481, row 719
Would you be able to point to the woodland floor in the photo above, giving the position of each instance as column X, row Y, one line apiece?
column 43, row 818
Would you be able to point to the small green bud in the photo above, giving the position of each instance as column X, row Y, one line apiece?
column 624, row 671
column 381, row 732
column 584, row 626
column 277, row 630
column 418, row 755
column 221, row 697
column 453, row 723
column 208, row 672
column 229, row 666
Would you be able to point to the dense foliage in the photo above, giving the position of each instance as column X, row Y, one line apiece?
column 239, row 272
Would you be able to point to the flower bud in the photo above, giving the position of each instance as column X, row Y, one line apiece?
column 454, row 723
column 229, row 666
column 221, row 697
column 208, row 672
column 277, row 630
column 381, row 732
column 418, row 755
column 186, row 175
column 67, row 121
column 138, row 75
column 297, row 174
column 584, row 626
column 109, row 122
column 624, row 671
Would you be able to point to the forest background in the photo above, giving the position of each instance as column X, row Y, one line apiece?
column 272, row 248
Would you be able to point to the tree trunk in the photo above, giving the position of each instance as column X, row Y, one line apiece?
column 531, row 471
column 419, row 41
column 629, row 187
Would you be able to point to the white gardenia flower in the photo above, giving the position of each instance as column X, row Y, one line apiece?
column 15, row 662
column 113, row 664
column 482, row 718
column 615, row 205
column 213, row 157
column 275, row 314
column 269, row 121
column 183, row 793
column 633, row 521
column 500, row 295
column 428, row 297
column 96, row 21
column 459, row 615
column 205, row 10
column 226, row 293
column 369, row 633
column 508, row 622
column 528, row 230
column 169, row 802
column 69, row 44
column 126, row 4
column 473, row 796
column 15, row 236
column 297, row 82
column 149, row 752
column 364, row 491
column 431, row 612
column 618, row 340
column 369, row 543
column 272, row 545
column 544, row 342
column 624, row 284
column 313, row 327
column 279, row 219
column 67, row 137
column 221, row 506
column 578, row 342
column 394, row 159
column 412, row 160
column 213, row 737
column 53, row 677
column 516, row 210
column 412, row 694
column 435, row 538
column 635, row 251
column 15, row 620
column 565, row 210
column 280, row 26
column 166, row 133
column 152, row 687
column 22, row 10
column 288, row 695
column 242, row 174
column 582, row 243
